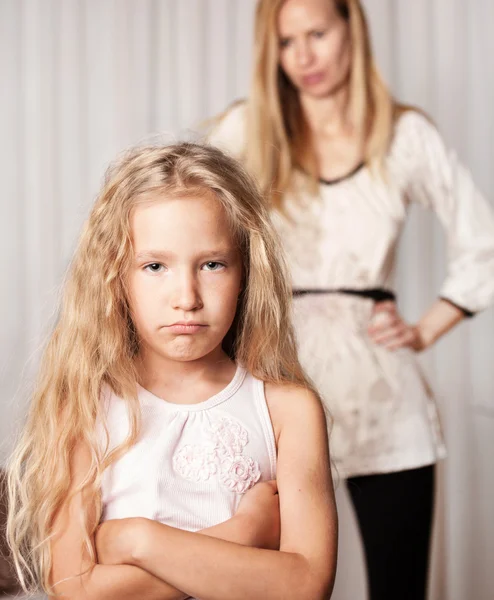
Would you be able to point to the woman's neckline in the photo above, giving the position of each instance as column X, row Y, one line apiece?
column 353, row 172
column 221, row 396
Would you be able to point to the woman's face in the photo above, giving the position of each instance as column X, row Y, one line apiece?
column 314, row 46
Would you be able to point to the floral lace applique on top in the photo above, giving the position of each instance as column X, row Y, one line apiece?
column 223, row 457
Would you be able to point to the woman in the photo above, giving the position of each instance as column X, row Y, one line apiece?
column 341, row 161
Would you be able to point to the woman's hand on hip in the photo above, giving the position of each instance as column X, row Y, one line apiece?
column 388, row 329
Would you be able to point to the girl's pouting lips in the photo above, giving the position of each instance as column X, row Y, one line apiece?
column 186, row 327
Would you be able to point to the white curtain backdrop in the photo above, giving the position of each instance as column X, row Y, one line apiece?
column 82, row 79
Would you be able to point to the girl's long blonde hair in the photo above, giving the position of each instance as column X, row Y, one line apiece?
column 278, row 137
column 94, row 342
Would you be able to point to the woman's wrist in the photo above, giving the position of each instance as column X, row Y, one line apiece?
column 438, row 320
column 424, row 337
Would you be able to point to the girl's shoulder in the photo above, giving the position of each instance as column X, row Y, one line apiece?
column 228, row 131
column 294, row 406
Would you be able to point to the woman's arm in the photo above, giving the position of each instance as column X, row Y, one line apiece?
column 70, row 558
column 214, row 569
column 437, row 180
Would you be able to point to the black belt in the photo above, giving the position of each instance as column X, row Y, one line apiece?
column 376, row 294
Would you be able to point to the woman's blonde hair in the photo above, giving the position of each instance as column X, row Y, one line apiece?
column 278, row 137
column 94, row 342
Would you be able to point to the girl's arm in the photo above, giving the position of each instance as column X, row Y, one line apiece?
column 257, row 521
column 214, row 569
column 70, row 558
column 257, row 524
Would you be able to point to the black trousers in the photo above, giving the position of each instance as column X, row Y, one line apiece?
column 394, row 513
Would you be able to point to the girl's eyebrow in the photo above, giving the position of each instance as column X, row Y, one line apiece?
column 153, row 254
column 163, row 255
column 225, row 251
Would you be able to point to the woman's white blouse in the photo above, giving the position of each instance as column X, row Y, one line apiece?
column 384, row 415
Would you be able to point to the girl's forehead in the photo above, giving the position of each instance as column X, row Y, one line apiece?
column 161, row 194
column 196, row 203
column 187, row 220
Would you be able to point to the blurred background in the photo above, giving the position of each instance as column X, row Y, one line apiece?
column 83, row 79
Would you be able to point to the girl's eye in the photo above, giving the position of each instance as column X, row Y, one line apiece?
column 319, row 33
column 284, row 42
column 213, row 266
column 154, row 268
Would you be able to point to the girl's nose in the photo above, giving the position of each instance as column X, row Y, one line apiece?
column 186, row 295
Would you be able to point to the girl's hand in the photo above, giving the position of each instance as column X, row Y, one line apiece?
column 117, row 540
column 261, row 508
column 388, row 329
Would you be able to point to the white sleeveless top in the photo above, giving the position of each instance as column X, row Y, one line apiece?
column 192, row 462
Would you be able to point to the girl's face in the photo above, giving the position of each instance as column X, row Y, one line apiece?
column 185, row 280
column 314, row 46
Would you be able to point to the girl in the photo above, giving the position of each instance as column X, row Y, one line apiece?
column 342, row 161
column 168, row 389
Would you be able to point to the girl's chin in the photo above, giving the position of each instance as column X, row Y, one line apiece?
column 187, row 351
